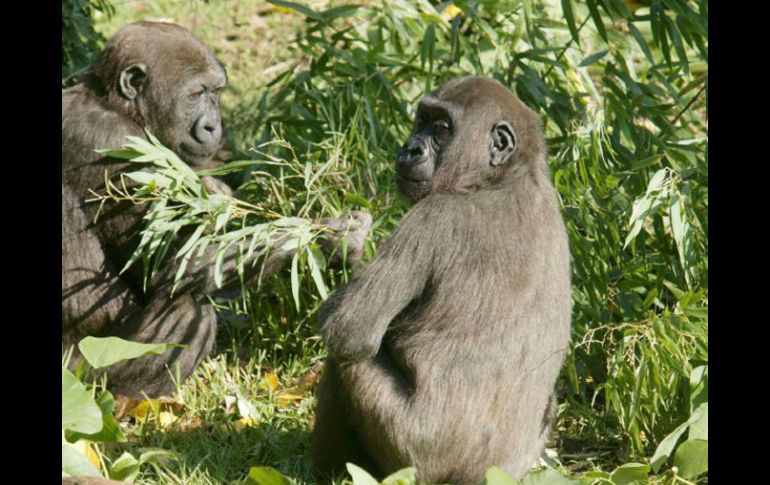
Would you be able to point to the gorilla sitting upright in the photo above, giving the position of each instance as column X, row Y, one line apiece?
column 156, row 76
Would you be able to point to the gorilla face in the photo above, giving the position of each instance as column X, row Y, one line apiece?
column 417, row 159
column 183, row 113
column 200, row 124
column 446, row 129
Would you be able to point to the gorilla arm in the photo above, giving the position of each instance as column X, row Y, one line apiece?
column 353, row 226
column 355, row 318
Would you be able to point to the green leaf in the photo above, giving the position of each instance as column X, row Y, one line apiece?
column 360, row 476
column 125, row 468
column 566, row 6
column 666, row 446
column 354, row 198
column 75, row 464
column 103, row 352
column 79, row 411
column 699, row 386
column 295, row 279
column 405, row 476
column 630, row 473
column 547, row 476
column 110, row 432
column 592, row 58
column 699, row 428
column 155, row 455
column 307, row 12
column 597, row 19
column 497, row 476
column 692, row 458
column 317, row 262
column 265, row 475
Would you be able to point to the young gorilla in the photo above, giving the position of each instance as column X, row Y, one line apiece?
column 154, row 75
column 444, row 350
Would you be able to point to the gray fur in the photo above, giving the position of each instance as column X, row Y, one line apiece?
column 445, row 349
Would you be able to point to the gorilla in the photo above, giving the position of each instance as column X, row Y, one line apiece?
column 156, row 76
column 445, row 349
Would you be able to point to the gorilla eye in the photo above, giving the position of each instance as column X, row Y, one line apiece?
column 196, row 94
column 441, row 126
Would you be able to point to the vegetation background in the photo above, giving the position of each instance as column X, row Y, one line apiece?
column 320, row 96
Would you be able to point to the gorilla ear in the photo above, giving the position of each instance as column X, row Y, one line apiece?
column 502, row 143
column 132, row 79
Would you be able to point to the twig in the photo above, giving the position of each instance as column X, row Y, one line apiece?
column 700, row 91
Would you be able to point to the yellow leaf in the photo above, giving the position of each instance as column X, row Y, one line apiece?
column 282, row 9
column 143, row 408
column 269, row 382
column 87, row 449
column 166, row 419
column 245, row 423
column 450, row 12
column 288, row 396
column 634, row 5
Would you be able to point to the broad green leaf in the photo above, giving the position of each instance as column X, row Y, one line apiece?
column 547, row 476
column 692, row 458
column 265, row 475
column 699, row 429
column 110, row 432
column 699, row 386
column 497, row 476
column 360, row 476
column 103, row 352
column 125, row 468
column 405, row 476
column 630, row 473
column 155, row 455
column 79, row 411
column 666, row 446
column 75, row 464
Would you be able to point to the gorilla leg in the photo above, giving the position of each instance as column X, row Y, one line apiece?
column 96, row 301
column 334, row 440
column 184, row 320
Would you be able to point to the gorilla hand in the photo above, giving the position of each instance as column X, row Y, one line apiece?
column 350, row 229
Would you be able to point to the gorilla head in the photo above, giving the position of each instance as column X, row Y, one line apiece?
column 163, row 77
column 497, row 123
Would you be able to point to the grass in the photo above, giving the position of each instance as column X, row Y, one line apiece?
column 627, row 140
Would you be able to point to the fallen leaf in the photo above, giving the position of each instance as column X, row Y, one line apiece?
column 245, row 423
column 269, row 382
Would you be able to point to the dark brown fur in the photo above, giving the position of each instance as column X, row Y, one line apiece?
column 444, row 350
column 149, row 75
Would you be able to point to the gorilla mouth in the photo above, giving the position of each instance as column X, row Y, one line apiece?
column 403, row 178
column 190, row 154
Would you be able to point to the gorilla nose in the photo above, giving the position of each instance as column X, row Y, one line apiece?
column 207, row 131
column 411, row 155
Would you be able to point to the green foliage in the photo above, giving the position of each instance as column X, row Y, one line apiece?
column 622, row 94
column 78, row 38
column 179, row 201
column 87, row 413
column 622, row 89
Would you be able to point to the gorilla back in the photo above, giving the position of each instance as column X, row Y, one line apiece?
column 444, row 350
